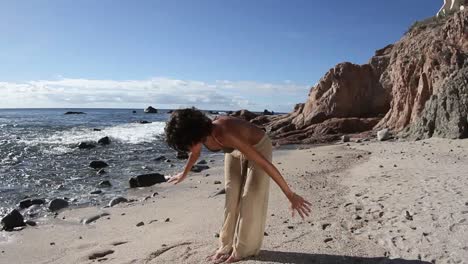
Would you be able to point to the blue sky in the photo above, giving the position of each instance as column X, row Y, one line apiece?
column 229, row 54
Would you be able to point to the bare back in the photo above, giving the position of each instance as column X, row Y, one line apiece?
column 244, row 130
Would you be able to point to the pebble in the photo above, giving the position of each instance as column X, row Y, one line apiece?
column 167, row 220
column 217, row 182
column 216, row 235
column 328, row 240
column 140, row 224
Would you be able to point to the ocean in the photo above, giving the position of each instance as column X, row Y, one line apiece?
column 39, row 157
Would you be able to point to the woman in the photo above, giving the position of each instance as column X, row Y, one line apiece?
column 248, row 168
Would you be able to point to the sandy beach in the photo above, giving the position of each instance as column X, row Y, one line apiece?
column 373, row 202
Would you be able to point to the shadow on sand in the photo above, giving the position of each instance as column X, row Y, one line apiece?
column 294, row 257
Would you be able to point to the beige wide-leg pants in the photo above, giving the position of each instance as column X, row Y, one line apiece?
column 245, row 211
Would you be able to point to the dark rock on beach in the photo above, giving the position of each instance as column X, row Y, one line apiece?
column 12, row 220
column 98, row 164
column 86, row 145
column 117, row 200
column 199, row 168
column 74, row 113
column 104, row 141
column 146, row 180
column 151, row 110
column 101, row 172
column 28, row 202
column 57, row 204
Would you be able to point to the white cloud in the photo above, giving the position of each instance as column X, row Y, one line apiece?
column 159, row 92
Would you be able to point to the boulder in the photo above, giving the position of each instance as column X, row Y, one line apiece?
column 117, row 200
column 86, row 145
column 98, row 164
column 57, row 204
column 345, row 139
column 383, row 134
column 151, row 110
column 146, row 180
column 12, row 220
column 104, row 141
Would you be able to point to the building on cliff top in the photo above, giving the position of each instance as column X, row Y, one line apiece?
column 452, row 6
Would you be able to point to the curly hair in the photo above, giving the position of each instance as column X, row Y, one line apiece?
column 187, row 127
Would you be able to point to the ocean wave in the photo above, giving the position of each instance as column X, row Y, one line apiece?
column 126, row 133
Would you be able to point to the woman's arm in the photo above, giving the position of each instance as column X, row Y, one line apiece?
column 297, row 202
column 193, row 157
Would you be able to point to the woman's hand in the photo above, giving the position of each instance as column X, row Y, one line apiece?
column 177, row 178
column 300, row 205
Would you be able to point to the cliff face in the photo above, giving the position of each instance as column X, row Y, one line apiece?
column 418, row 85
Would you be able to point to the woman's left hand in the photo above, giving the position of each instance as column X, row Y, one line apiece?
column 300, row 205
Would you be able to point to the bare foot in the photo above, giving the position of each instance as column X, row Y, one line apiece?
column 232, row 259
column 218, row 257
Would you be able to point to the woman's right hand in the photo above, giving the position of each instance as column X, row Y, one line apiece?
column 177, row 178
column 299, row 204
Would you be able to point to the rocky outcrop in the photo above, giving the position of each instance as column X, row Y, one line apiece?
column 445, row 114
column 348, row 99
column 74, row 113
column 417, row 86
column 422, row 66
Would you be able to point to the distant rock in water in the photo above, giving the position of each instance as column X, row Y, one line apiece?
column 86, row 145
column 266, row 112
column 244, row 114
column 57, row 204
column 74, row 113
column 12, row 220
column 143, row 122
column 151, row 110
column 98, row 164
column 96, row 129
column 104, row 141
column 134, row 112
column 146, row 180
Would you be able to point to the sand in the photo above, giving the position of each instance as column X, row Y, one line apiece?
column 373, row 202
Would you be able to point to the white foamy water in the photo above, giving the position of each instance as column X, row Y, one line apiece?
column 126, row 133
